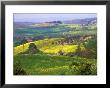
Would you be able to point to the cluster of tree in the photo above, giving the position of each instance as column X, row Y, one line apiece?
column 82, row 68
column 75, row 39
column 32, row 49
column 60, row 22
column 90, row 50
column 22, row 40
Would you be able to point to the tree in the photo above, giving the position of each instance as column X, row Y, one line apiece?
column 91, row 49
column 60, row 52
column 78, row 50
column 32, row 49
column 23, row 42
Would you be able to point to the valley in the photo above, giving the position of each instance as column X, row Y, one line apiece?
column 56, row 48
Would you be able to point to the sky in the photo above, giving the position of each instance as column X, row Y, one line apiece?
column 44, row 17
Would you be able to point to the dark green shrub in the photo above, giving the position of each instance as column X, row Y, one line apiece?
column 60, row 53
column 82, row 68
column 85, row 69
column 90, row 49
column 32, row 49
column 18, row 70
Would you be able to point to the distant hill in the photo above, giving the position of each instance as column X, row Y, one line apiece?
column 85, row 21
column 81, row 21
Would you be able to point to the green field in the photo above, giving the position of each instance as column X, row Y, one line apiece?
column 40, row 64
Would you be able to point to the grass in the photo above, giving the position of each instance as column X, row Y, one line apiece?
column 42, row 64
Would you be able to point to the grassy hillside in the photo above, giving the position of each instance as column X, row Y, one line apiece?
column 66, row 49
column 41, row 64
column 49, row 62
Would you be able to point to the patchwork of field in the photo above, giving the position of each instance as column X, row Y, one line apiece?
column 65, row 49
